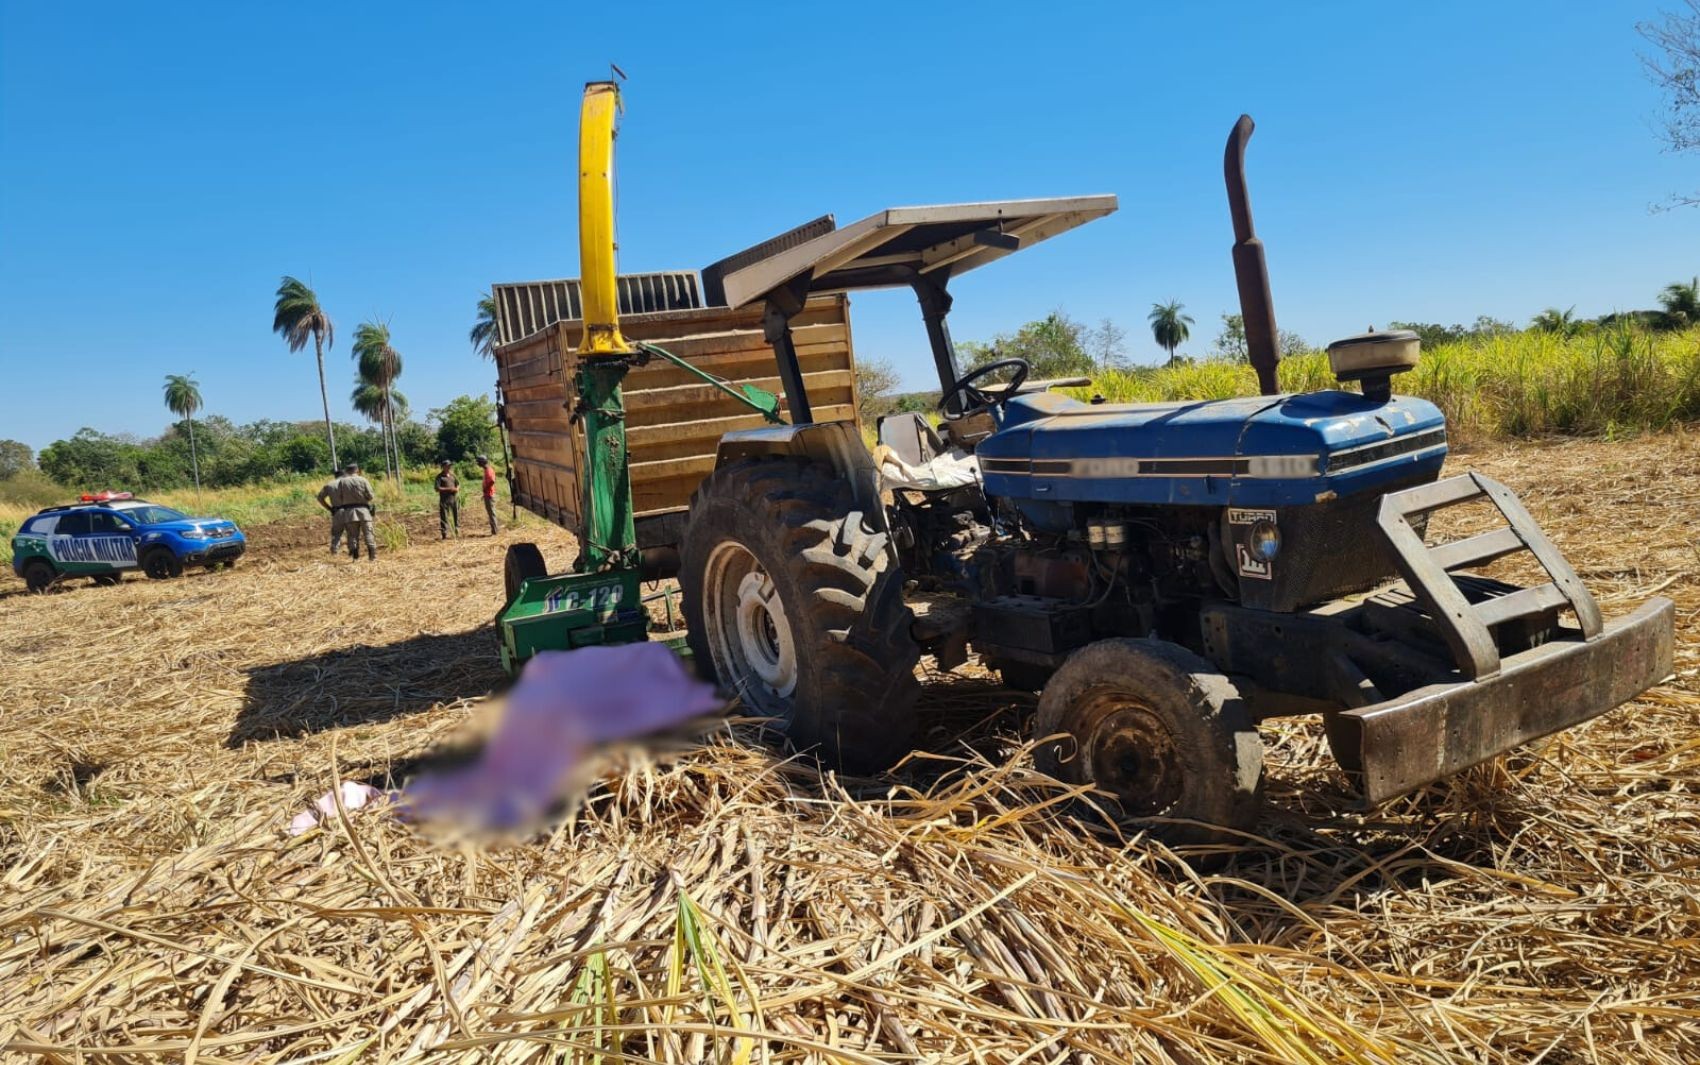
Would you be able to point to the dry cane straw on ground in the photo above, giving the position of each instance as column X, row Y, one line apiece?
column 723, row 904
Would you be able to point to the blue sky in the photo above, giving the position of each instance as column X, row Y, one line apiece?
column 162, row 164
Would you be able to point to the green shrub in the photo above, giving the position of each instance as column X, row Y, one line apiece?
column 391, row 533
column 33, row 489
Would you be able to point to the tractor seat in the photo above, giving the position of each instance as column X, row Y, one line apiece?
column 910, row 438
column 911, row 456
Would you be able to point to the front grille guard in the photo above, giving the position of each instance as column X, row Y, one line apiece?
column 1466, row 627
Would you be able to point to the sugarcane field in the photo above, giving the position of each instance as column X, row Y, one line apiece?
column 764, row 635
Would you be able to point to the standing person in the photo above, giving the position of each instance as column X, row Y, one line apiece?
column 349, row 499
column 330, row 497
column 361, row 508
column 448, row 500
column 490, row 493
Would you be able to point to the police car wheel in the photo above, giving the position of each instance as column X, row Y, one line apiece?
column 160, row 565
column 39, row 576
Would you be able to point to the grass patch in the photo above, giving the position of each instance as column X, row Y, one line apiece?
column 1607, row 383
column 390, row 533
column 289, row 499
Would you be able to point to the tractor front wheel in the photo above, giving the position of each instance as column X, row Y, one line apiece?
column 1161, row 731
column 794, row 604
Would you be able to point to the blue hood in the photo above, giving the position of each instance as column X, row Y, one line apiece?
column 187, row 524
column 1256, row 451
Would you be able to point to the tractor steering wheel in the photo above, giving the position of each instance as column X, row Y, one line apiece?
column 978, row 400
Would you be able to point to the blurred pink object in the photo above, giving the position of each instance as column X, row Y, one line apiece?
column 354, row 796
column 565, row 704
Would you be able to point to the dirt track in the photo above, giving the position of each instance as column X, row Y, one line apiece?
column 158, row 731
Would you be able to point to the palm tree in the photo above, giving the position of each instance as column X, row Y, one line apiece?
column 368, row 399
column 1553, row 320
column 1169, row 327
column 296, row 317
column 1681, row 304
column 183, row 398
column 379, row 365
column 483, row 335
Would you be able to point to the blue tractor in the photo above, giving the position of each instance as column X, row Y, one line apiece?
column 1164, row 575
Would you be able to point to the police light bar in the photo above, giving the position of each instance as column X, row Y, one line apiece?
column 103, row 497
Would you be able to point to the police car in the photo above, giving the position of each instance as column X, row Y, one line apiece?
column 107, row 534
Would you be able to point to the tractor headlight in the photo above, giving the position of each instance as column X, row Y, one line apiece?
column 1264, row 540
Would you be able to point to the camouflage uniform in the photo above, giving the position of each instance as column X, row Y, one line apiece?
column 448, row 503
column 349, row 499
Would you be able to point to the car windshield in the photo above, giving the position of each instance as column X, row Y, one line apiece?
column 151, row 514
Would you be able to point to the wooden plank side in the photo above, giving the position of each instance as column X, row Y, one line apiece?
column 675, row 429
column 714, row 404
column 683, row 440
column 544, row 409
column 755, row 360
column 660, row 495
column 662, row 326
column 549, row 447
column 711, row 429
column 687, row 395
column 674, row 421
column 546, row 491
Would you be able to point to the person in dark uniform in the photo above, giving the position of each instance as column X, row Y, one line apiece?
column 448, row 500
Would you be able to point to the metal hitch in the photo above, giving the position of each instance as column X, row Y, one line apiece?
column 572, row 610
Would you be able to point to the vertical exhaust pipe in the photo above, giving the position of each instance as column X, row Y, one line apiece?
column 1251, row 272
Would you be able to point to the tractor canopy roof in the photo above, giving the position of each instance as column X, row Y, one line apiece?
column 892, row 246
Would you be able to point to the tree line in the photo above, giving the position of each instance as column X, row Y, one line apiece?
column 1059, row 346
column 223, row 454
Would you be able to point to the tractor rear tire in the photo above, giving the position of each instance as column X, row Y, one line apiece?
column 39, row 576
column 161, row 565
column 522, row 562
column 794, row 603
column 1157, row 727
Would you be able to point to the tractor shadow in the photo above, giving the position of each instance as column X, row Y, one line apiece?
column 365, row 685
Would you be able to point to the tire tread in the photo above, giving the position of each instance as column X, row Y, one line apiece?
column 854, row 702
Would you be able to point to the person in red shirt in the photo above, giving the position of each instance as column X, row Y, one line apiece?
column 490, row 493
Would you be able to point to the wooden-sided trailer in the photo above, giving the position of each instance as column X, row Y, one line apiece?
column 674, row 419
